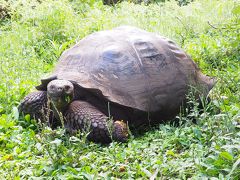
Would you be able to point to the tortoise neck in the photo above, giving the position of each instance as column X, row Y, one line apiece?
column 59, row 113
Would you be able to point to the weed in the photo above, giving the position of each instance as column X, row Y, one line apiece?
column 35, row 33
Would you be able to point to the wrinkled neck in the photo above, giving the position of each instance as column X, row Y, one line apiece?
column 59, row 110
column 58, row 113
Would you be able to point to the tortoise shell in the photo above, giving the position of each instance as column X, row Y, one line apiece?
column 132, row 67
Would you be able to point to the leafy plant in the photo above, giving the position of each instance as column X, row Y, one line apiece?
column 35, row 33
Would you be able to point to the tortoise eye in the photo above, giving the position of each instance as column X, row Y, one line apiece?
column 52, row 87
column 67, row 88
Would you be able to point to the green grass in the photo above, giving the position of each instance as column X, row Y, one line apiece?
column 33, row 36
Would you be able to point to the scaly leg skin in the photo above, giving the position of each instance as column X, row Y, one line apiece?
column 35, row 104
column 82, row 116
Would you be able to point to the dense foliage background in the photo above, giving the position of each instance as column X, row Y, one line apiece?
column 34, row 33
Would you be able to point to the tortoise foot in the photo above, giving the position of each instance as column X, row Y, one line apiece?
column 84, row 117
column 120, row 131
column 34, row 104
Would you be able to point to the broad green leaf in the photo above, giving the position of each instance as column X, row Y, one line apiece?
column 236, row 10
column 226, row 155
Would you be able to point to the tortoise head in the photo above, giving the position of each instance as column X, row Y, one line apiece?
column 60, row 93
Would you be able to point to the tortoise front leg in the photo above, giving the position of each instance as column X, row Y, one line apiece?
column 83, row 116
column 35, row 104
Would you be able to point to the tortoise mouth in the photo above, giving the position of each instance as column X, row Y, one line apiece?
column 55, row 98
column 60, row 102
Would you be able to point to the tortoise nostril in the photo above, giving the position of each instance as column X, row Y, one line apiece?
column 59, row 88
column 52, row 87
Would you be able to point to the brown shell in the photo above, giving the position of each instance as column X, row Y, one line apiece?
column 132, row 67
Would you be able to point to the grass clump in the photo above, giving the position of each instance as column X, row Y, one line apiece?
column 35, row 34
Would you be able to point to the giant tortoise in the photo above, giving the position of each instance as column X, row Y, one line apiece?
column 125, row 76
